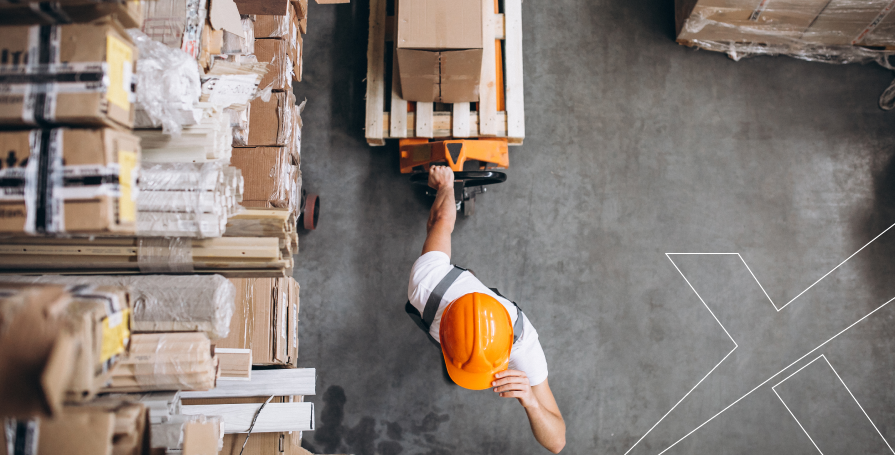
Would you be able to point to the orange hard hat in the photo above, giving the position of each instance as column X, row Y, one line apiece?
column 476, row 335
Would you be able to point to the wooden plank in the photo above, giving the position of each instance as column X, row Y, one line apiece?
column 274, row 418
column 460, row 120
column 499, row 24
column 424, row 120
column 236, row 364
column 398, row 116
column 515, row 103
column 488, row 83
column 264, row 383
column 375, row 73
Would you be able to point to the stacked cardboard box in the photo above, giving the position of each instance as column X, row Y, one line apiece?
column 265, row 320
column 102, row 359
column 75, row 174
column 835, row 31
column 59, row 344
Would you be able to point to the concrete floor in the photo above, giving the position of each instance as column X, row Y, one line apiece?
column 635, row 147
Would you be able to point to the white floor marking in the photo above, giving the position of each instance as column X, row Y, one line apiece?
column 822, row 356
column 668, row 255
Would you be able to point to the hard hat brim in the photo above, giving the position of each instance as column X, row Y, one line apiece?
column 471, row 381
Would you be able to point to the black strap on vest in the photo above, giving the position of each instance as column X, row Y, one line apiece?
column 424, row 321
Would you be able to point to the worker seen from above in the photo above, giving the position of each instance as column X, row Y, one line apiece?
column 485, row 339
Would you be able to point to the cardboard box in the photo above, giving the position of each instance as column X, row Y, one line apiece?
column 129, row 14
column 92, row 88
column 36, row 352
column 265, row 320
column 279, row 55
column 281, row 443
column 789, row 23
column 270, row 122
column 91, row 183
column 176, row 23
column 439, row 50
column 62, row 347
column 270, row 176
column 265, row 7
column 282, row 27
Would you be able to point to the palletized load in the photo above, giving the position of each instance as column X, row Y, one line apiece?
column 75, row 74
column 68, row 180
column 839, row 31
column 188, row 199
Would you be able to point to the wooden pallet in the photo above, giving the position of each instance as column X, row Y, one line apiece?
column 458, row 121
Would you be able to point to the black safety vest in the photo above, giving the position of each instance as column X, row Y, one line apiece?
column 424, row 321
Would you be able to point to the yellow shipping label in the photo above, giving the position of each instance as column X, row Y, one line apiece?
column 116, row 332
column 120, row 58
column 127, row 206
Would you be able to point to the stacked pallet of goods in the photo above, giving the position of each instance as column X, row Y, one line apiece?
column 150, row 195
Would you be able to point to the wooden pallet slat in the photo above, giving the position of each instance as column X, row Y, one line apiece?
column 424, row 122
column 515, row 103
column 460, row 120
column 376, row 73
column 398, row 115
column 488, row 80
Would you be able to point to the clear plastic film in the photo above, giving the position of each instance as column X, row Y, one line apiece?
column 179, row 430
column 232, row 82
column 166, row 361
column 278, row 54
column 239, row 124
column 206, row 136
column 167, row 84
column 188, row 199
column 838, row 31
column 163, row 303
column 164, row 255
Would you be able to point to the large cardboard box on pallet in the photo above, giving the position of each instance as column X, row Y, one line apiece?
column 796, row 24
column 93, row 176
column 439, row 50
column 74, row 74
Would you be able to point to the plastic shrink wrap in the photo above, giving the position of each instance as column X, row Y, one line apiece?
column 162, row 303
column 188, row 199
column 167, row 84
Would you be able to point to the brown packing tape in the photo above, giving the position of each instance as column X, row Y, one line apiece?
column 165, row 255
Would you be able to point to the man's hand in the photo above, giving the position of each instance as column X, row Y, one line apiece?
column 514, row 384
column 441, row 177
column 546, row 421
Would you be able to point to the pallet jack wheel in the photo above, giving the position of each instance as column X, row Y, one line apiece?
column 311, row 212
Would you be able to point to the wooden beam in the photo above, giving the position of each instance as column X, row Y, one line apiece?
column 488, row 80
column 274, row 418
column 515, row 103
column 424, row 122
column 264, row 383
column 236, row 364
column 375, row 73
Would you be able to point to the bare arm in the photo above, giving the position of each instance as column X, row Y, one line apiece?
column 444, row 211
column 547, row 423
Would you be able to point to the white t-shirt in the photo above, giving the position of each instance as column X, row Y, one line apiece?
column 526, row 356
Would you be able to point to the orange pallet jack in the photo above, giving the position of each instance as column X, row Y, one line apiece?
column 473, row 160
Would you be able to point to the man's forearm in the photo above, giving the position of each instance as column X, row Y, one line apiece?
column 548, row 428
column 444, row 210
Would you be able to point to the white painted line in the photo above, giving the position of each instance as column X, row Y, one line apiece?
column 668, row 255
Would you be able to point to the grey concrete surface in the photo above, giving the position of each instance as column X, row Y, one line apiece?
column 635, row 147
